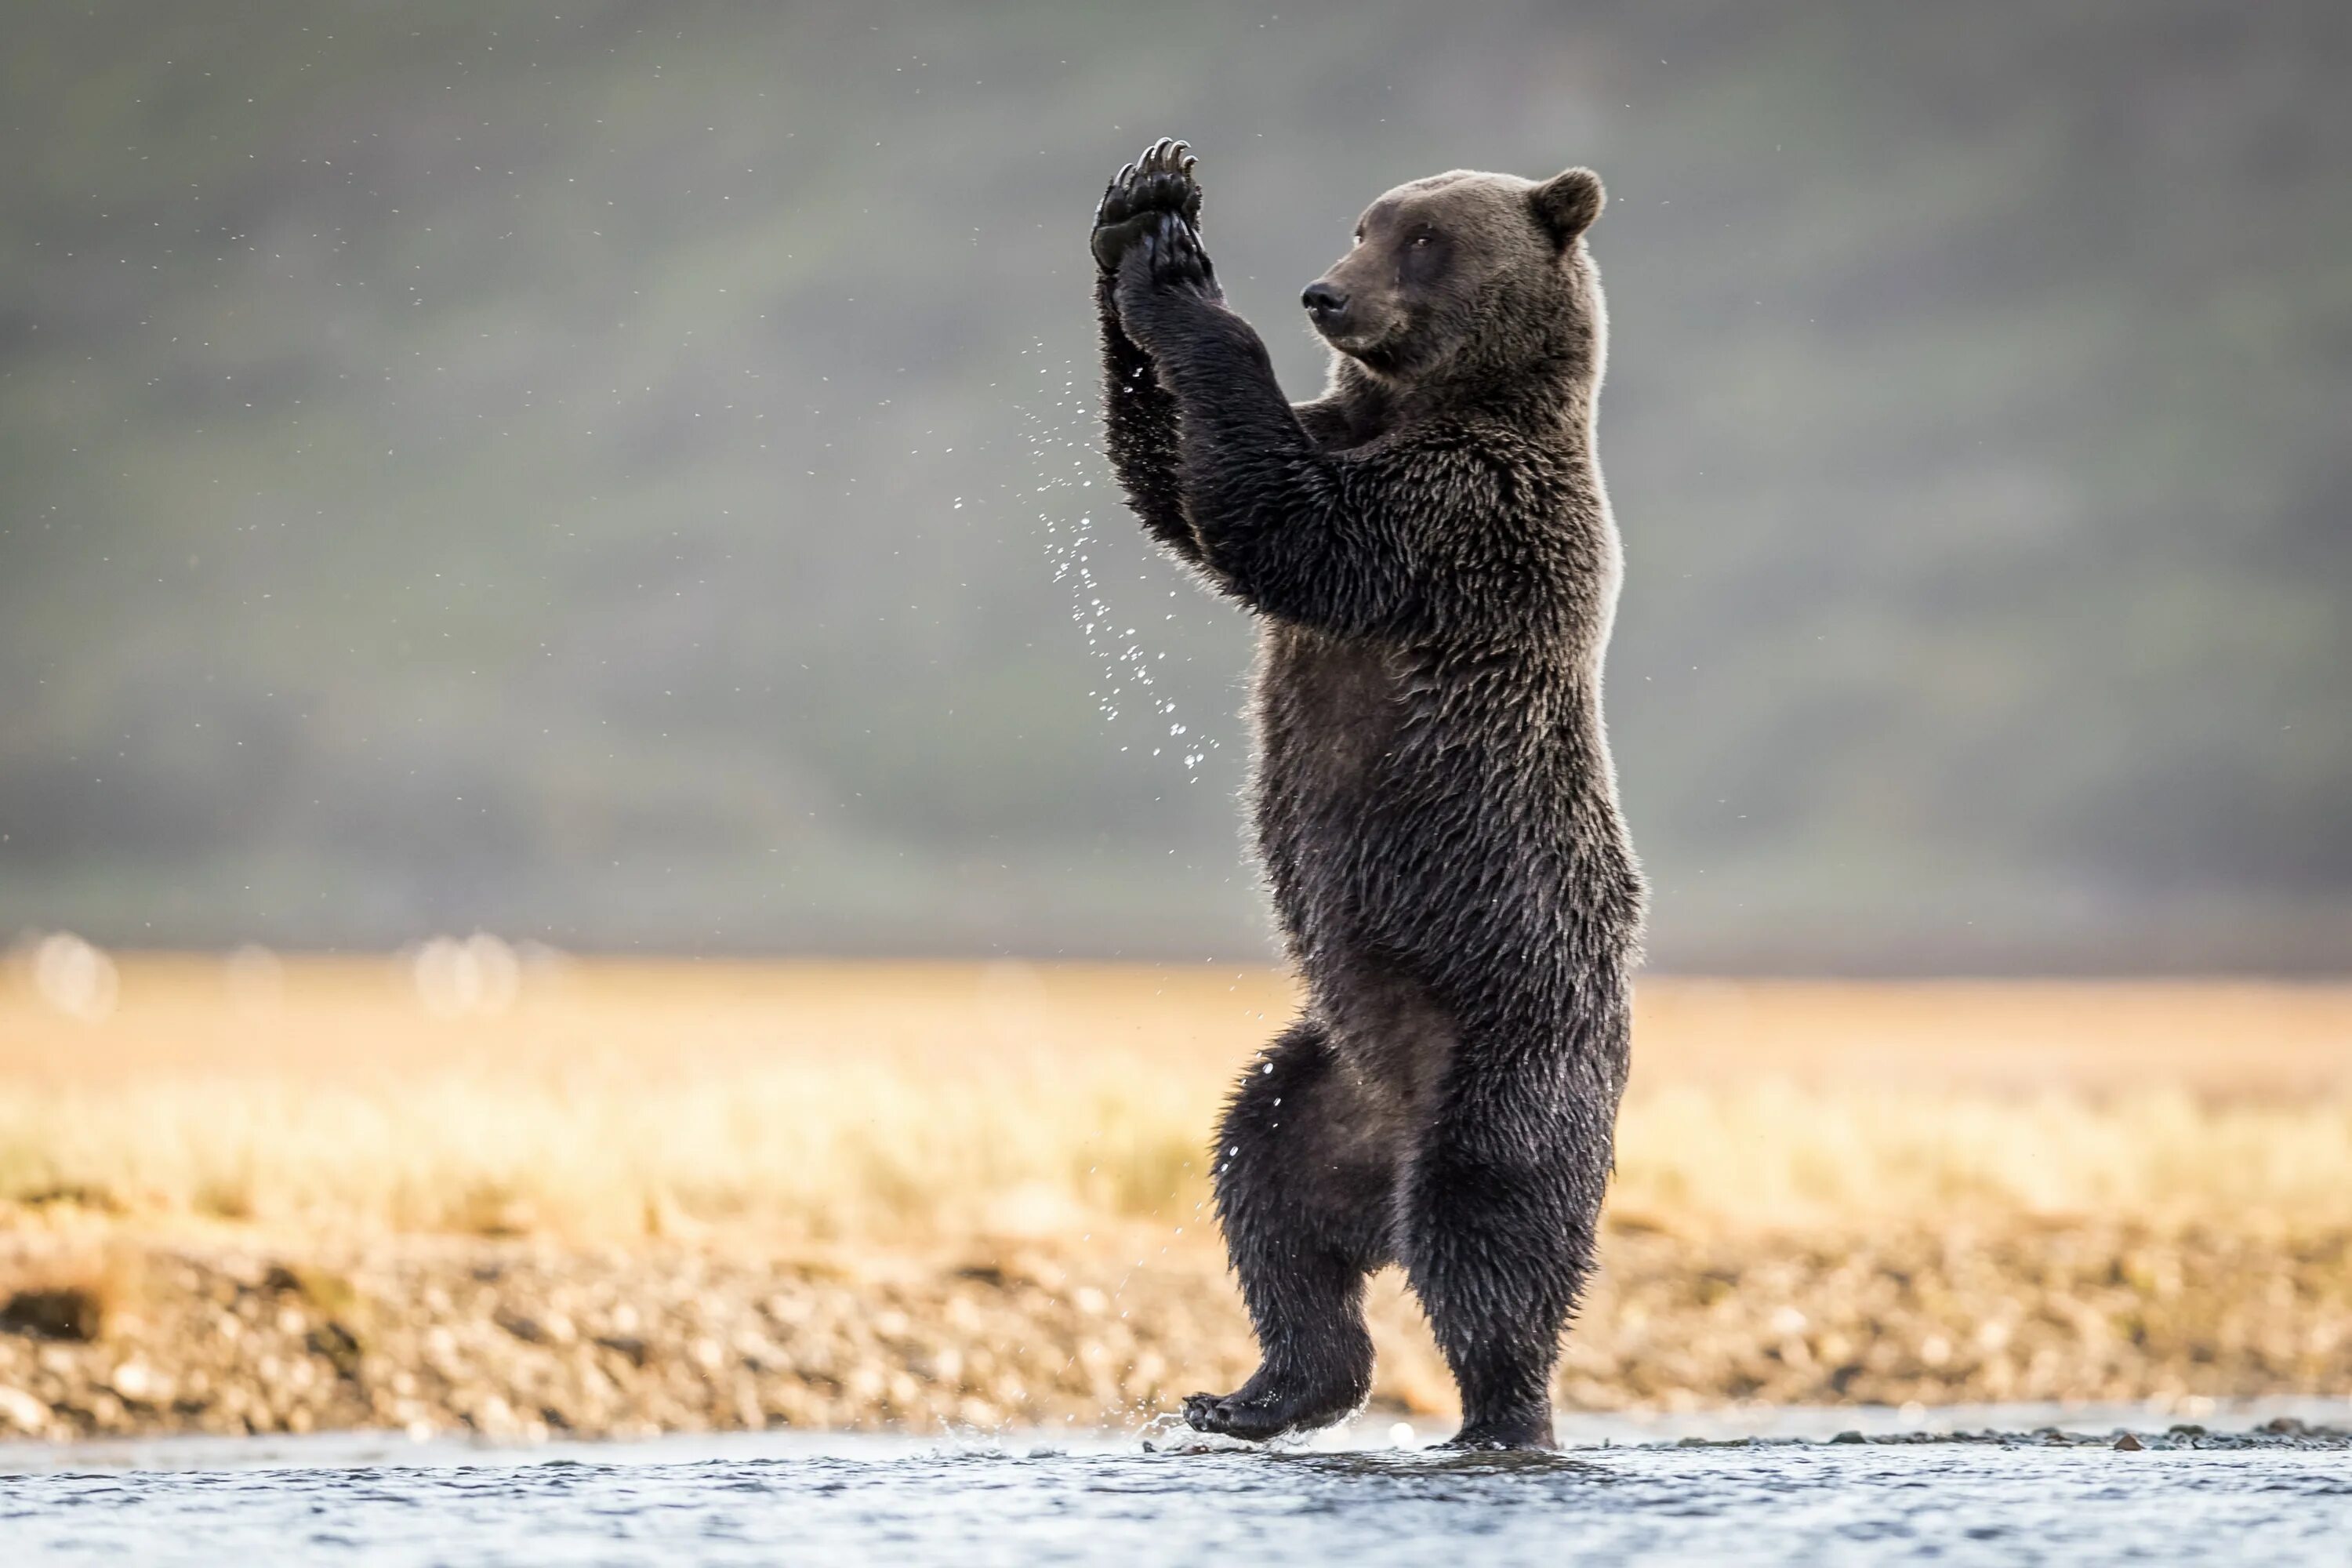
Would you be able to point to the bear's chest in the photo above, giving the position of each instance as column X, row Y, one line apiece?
column 1330, row 714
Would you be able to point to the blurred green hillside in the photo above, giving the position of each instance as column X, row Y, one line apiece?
column 598, row 473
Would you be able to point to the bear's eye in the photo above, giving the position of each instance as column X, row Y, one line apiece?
column 1420, row 240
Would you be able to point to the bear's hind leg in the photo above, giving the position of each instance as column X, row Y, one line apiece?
column 1305, row 1173
column 1502, row 1206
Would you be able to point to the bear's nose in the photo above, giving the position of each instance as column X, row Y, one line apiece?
column 1324, row 300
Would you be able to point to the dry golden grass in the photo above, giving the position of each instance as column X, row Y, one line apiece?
column 939, row 1194
column 915, row 1104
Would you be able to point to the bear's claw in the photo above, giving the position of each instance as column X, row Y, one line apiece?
column 1268, row 1407
column 1231, row 1417
column 1160, row 181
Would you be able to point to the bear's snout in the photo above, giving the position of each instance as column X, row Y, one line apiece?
column 1326, row 302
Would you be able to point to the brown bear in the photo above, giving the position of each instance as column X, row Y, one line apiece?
column 1431, row 560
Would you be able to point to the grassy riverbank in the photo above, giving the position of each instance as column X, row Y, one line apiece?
column 606, row 1197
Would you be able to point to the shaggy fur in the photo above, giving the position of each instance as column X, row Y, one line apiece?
column 1431, row 560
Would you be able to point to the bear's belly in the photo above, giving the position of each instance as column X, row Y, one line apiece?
column 1448, row 826
column 1329, row 717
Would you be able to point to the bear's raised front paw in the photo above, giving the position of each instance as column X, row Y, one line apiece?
column 1158, row 182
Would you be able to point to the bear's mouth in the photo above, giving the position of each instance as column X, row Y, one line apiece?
column 1353, row 336
column 1374, row 348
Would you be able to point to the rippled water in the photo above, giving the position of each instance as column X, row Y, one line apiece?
column 1775, row 1500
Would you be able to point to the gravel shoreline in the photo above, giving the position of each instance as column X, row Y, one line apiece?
column 524, row 1340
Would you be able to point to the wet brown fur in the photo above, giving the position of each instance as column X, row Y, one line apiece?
column 1432, row 561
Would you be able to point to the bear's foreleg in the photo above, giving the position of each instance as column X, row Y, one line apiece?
column 1501, row 1210
column 1138, row 413
column 1304, row 1184
column 1139, row 434
column 1335, row 542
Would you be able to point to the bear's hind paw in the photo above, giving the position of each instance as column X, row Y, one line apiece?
column 1257, row 1412
column 1516, row 1434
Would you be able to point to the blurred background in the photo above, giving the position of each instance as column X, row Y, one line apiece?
column 602, row 501
column 626, row 477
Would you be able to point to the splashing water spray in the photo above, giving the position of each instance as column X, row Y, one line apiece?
column 1059, row 461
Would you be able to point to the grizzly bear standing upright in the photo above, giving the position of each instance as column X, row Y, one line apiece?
column 1432, row 562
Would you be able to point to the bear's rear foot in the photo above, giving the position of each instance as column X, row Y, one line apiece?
column 1272, row 1403
column 1531, row 1429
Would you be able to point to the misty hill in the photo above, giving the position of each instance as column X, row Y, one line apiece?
column 603, row 476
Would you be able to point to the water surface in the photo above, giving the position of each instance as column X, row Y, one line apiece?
column 1905, row 1494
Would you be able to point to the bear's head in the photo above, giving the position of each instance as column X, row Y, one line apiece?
column 1469, row 276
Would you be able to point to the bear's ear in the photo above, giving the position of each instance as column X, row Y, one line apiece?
column 1567, row 203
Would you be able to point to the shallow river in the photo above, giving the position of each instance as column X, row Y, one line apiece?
column 1616, row 1495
